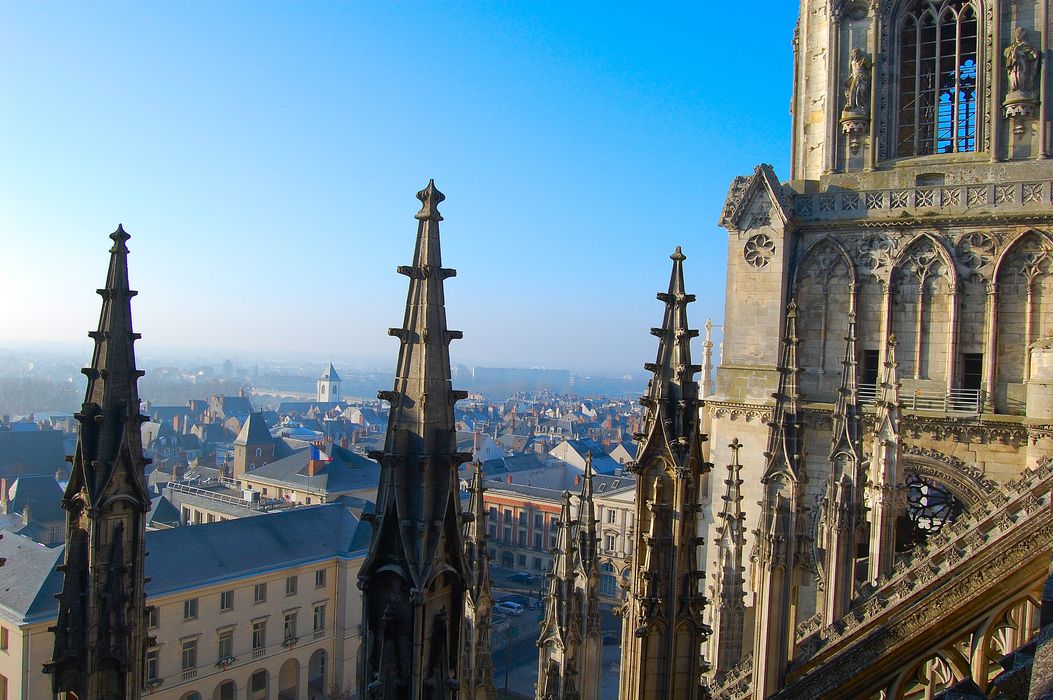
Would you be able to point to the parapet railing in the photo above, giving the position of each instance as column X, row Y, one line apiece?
column 899, row 202
column 213, row 496
column 951, row 401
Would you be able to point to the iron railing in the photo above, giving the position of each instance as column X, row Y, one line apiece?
column 951, row 401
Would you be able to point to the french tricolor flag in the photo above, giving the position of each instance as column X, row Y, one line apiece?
column 319, row 455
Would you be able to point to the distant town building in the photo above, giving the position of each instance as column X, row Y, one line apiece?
column 329, row 386
column 255, row 608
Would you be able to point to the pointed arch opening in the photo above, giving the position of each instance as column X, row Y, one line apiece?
column 1024, row 284
column 923, row 288
column 937, row 77
column 824, row 288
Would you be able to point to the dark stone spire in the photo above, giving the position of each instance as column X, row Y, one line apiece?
column 846, row 409
column 778, row 534
column 559, row 641
column 672, row 393
column 414, row 578
column 663, row 629
column 588, row 539
column 842, row 502
column 478, row 676
column 110, row 419
column 730, row 609
column 784, row 447
column 885, row 488
column 100, row 632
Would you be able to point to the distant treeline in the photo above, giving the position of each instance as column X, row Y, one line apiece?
column 20, row 396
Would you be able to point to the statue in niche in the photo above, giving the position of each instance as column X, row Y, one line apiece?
column 1022, row 64
column 857, row 87
column 855, row 117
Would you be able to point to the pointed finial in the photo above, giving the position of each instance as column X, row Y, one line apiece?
column 119, row 238
column 735, row 446
column 678, row 255
column 791, row 309
column 892, row 342
column 430, row 198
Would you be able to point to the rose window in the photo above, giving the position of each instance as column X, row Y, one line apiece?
column 759, row 250
column 930, row 506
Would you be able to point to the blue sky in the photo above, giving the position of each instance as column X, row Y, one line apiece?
column 265, row 156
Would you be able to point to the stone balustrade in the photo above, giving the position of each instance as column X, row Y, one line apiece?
column 943, row 200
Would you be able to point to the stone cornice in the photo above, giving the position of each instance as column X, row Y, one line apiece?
column 734, row 410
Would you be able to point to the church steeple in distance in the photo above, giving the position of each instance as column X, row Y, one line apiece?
column 100, row 631
column 414, row 578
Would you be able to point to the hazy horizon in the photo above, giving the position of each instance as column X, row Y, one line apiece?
column 265, row 161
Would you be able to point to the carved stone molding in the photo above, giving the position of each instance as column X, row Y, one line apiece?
column 965, row 430
column 966, row 481
column 747, row 412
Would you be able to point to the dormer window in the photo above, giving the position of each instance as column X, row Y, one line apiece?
column 937, row 49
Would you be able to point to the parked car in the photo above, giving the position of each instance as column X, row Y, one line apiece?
column 514, row 598
column 509, row 608
column 521, row 577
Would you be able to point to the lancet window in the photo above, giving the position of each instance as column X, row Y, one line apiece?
column 937, row 78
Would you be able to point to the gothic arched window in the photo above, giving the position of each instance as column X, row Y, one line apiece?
column 937, row 49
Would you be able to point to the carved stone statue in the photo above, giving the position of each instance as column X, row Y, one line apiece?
column 857, row 87
column 1022, row 64
column 855, row 117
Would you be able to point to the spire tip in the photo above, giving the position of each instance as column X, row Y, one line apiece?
column 430, row 198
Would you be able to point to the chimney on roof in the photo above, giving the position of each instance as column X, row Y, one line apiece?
column 26, row 514
column 475, row 442
column 343, row 442
column 4, row 503
column 314, row 466
column 509, row 478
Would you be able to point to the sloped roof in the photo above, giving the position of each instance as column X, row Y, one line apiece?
column 43, row 495
column 330, row 374
column 28, row 580
column 254, row 431
column 346, row 472
column 162, row 513
column 249, row 545
column 36, row 452
column 602, row 463
column 219, row 551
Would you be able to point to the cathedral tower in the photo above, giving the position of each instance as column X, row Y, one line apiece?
column 100, row 633
column 415, row 576
column 919, row 207
column 663, row 629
